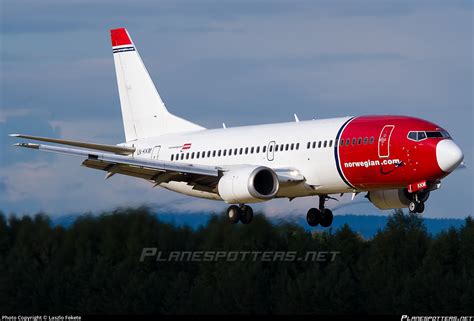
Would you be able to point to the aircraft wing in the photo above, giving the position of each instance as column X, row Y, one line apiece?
column 155, row 171
column 201, row 177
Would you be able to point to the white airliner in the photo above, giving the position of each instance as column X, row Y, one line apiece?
column 397, row 160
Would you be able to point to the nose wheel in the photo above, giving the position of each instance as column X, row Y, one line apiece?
column 322, row 216
column 242, row 213
column 417, row 205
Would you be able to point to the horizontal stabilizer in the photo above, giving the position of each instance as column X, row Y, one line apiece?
column 120, row 150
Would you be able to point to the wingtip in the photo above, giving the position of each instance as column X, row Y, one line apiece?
column 14, row 135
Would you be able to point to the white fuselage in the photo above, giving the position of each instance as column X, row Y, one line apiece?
column 256, row 145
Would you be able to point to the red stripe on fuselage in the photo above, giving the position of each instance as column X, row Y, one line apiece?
column 391, row 160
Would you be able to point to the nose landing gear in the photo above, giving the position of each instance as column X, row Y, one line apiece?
column 321, row 216
column 242, row 213
column 417, row 204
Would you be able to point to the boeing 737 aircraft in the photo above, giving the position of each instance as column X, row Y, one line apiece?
column 396, row 160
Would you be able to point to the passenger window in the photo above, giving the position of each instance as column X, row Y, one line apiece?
column 325, row 143
column 258, row 150
column 359, row 141
column 187, row 155
column 341, row 142
column 297, row 146
column 213, row 153
column 241, row 151
column 320, row 143
column 270, row 148
column 276, row 148
column 353, row 141
column 219, row 153
column 246, row 150
column 224, row 152
column 348, row 142
column 235, row 151
column 264, row 149
column 230, row 152
column 197, row 155
column 371, row 139
column 308, row 145
column 208, row 153
column 292, row 146
column 172, row 156
column 182, row 156
column 330, row 143
column 281, row 147
column 251, row 150
column 366, row 139
column 192, row 155
column 287, row 146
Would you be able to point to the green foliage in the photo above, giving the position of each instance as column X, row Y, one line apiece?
column 93, row 267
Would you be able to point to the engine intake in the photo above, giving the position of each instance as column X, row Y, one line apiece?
column 248, row 185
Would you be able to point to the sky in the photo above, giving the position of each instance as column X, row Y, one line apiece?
column 238, row 62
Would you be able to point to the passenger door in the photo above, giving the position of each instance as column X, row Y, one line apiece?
column 384, row 141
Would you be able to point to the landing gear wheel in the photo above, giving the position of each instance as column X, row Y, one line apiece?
column 326, row 217
column 420, row 207
column 412, row 207
column 313, row 217
column 246, row 214
column 234, row 213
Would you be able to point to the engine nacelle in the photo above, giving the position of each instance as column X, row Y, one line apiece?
column 248, row 184
column 389, row 199
column 394, row 198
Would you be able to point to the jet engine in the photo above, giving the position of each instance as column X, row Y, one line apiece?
column 393, row 198
column 248, row 184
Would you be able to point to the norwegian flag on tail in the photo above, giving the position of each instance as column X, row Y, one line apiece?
column 186, row 146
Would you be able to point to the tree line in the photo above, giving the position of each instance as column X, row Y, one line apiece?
column 94, row 267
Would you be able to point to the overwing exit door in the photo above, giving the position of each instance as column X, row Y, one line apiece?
column 271, row 150
column 155, row 152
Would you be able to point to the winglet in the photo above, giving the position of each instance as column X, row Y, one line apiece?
column 120, row 37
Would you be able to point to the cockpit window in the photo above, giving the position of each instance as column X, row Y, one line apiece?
column 437, row 134
column 412, row 135
column 420, row 135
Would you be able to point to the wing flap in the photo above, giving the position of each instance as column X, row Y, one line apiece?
column 114, row 168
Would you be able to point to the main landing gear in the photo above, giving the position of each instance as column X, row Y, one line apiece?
column 242, row 213
column 321, row 216
column 417, row 204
